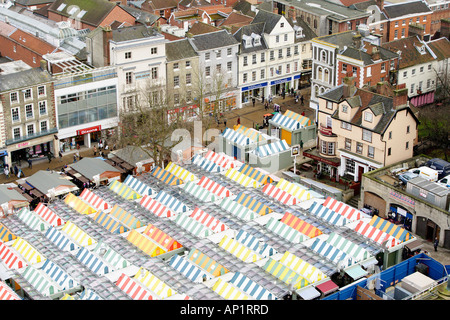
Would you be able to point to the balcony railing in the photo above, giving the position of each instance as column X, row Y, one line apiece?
column 31, row 136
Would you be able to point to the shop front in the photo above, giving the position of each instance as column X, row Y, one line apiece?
column 33, row 149
column 277, row 87
column 186, row 113
column 3, row 158
column 325, row 166
column 256, row 91
column 84, row 137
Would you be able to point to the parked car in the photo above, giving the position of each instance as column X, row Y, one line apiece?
column 440, row 165
column 425, row 172
column 405, row 176
column 445, row 181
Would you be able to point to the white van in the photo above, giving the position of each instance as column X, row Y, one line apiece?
column 426, row 172
column 445, row 181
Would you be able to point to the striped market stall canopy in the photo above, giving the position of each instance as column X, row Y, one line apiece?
column 299, row 192
column 109, row 223
column 236, row 137
column 48, row 215
column 78, row 235
column 206, row 263
column 300, row 225
column 238, row 210
column 355, row 251
column 193, row 226
column 343, row 209
column 285, row 274
column 154, row 284
column 78, row 205
column 271, row 148
column 247, row 200
column 133, row 288
column 10, row 258
column 254, row 244
column 390, row 228
column 125, row 218
column 171, row 202
column 223, row 160
column 303, row 268
column 58, row 275
column 123, row 190
column 161, row 238
column 279, row 194
column 156, row 207
column 89, row 294
column 94, row 200
column 138, row 186
column 286, row 122
column 286, row 232
column 166, row 177
column 214, row 187
column 207, row 220
column 60, row 239
column 199, row 192
column 250, row 287
column 110, row 256
column 304, row 121
column 5, row 234
column 145, row 244
column 328, row 215
column 376, row 235
column 241, row 178
column 228, row 291
column 331, row 253
column 253, row 134
column 95, row 263
column 180, row 172
column 206, row 164
column 32, row 220
column 40, row 281
column 27, row 251
column 255, row 174
column 189, row 269
column 239, row 250
column 6, row 293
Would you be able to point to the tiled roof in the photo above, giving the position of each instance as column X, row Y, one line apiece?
column 33, row 43
column 213, row 40
column 441, row 48
column 248, row 30
column 180, row 49
column 409, row 52
column 236, row 18
column 95, row 10
column 23, row 79
column 132, row 33
column 162, row 4
column 201, row 28
column 406, row 8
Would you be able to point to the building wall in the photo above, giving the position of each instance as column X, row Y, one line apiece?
column 377, row 73
column 398, row 28
column 118, row 14
column 427, row 77
column 440, row 11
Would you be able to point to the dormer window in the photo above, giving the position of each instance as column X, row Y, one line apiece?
column 298, row 32
column 368, row 116
column 344, row 108
column 256, row 39
column 421, row 49
column 247, row 41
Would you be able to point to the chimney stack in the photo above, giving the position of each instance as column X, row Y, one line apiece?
column 445, row 28
column 380, row 4
column 349, row 87
column 416, row 30
column 107, row 35
column 357, row 41
column 400, row 95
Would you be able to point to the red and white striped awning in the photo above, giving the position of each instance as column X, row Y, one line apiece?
column 6, row 293
column 204, row 218
column 214, row 187
column 156, row 207
column 48, row 215
column 279, row 194
column 343, row 209
column 11, row 259
column 377, row 235
column 94, row 200
column 134, row 289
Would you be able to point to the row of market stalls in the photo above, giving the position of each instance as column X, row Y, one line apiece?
column 215, row 228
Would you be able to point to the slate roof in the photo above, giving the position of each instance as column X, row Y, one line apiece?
column 409, row 55
column 441, row 48
column 32, row 2
column 46, row 180
column 270, row 20
column 179, row 50
column 406, row 8
column 212, row 40
column 307, row 31
column 256, row 28
column 361, row 55
column 133, row 33
column 89, row 167
column 141, row 16
column 23, row 79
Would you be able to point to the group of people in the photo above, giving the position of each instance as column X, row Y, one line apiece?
column 15, row 170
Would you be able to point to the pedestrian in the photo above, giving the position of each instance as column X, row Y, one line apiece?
column 95, row 150
column 239, row 120
column 49, row 156
column 225, row 122
column 262, row 99
column 100, row 145
column 301, row 144
column 60, row 156
column 296, row 98
column 266, row 105
column 74, row 158
column 6, row 171
column 15, row 170
column 30, row 164
column 20, row 173
column 435, row 243
column 253, row 101
column 303, row 113
column 301, row 100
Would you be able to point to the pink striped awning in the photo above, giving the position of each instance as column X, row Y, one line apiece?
column 10, row 259
column 343, row 209
column 222, row 160
column 48, row 215
column 94, row 200
column 204, row 218
column 214, row 187
column 6, row 293
column 376, row 235
column 156, row 207
column 279, row 194
column 133, row 289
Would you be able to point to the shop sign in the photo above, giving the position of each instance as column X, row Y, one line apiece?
column 23, row 144
column 402, row 198
column 280, row 81
column 88, row 130
column 177, row 110
column 255, row 86
column 324, row 160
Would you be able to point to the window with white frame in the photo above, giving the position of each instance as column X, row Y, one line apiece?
column 176, row 81
column 229, row 66
column 43, row 126
column 41, row 91
column 218, row 68
column 154, row 50
column 370, row 152
column 349, row 166
column 368, row 116
column 29, row 111
column 154, row 73
column 348, row 144
column 359, row 148
column 176, row 66
column 346, row 125
column 30, row 129
column 280, row 53
column 128, row 55
column 263, row 73
column 229, row 51
column 207, row 56
column 245, row 62
column 17, row 133
column 344, row 108
column 27, row 94
column 329, row 105
column 13, row 97
column 369, row 71
column 254, row 58
column 244, row 78
column 208, row 71
column 176, row 98
column 42, row 107
column 277, row 39
column 218, row 54
column 129, row 77
column 272, row 55
column 367, row 135
column 253, row 75
column 263, row 56
column 15, row 114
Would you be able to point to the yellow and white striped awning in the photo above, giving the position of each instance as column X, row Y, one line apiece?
column 301, row 267
column 295, row 190
column 161, row 289
column 239, row 250
column 78, row 205
column 241, row 178
column 145, row 244
column 229, row 292
column 27, row 251
column 78, row 235
column 180, row 172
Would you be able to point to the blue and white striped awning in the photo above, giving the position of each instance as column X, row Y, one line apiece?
column 328, row 215
column 271, row 148
column 61, row 240
column 206, row 164
column 171, row 202
column 286, row 122
column 189, row 269
column 331, row 253
column 138, row 186
column 236, row 137
column 251, row 288
column 93, row 262
column 57, row 274
column 253, row 243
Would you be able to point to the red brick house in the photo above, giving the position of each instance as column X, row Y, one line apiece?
column 162, row 8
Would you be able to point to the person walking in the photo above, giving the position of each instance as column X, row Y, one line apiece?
column 6, row 171
column 225, row 122
column 49, row 156
column 74, row 158
column 435, row 243
column 60, row 156
column 266, row 105
column 301, row 100
column 95, row 150
column 239, row 120
column 15, row 170
column 30, row 163
column 301, row 145
column 253, row 101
